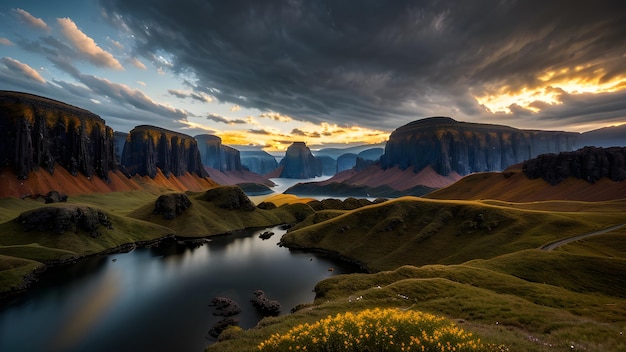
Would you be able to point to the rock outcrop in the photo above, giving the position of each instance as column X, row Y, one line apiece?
column 589, row 164
column 70, row 218
column 449, row 146
column 300, row 163
column 216, row 155
column 258, row 161
column 264, row 305
column 329, row 165
column 171, row 205
column 39, row 132
column 148, row 148
column 228, row 197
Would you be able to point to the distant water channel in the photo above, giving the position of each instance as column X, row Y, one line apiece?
column 157, row 299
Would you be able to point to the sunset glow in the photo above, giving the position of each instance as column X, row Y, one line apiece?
column 553, row 85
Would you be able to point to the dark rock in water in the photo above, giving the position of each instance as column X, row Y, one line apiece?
column 59, row 220
column 300, row 163
column 221, row 325
column 54, row 197
column 449, row 146
column 264, row 305
column 589, row 164
column 39, row 132
column 150, row 147
column 225, row 307
column 171, row 205
column 266, row 235
column 228, row 197
column 346, row 162
column 258, row 161
column 216, row 155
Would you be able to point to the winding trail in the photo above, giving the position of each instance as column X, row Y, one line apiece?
column 556, row 244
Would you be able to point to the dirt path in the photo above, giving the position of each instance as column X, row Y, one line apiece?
column 559, row 243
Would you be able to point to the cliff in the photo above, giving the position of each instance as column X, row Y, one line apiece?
column 149, row 148
column 300, row 163
column 589, row 164
column 258, row 161
column 40, row 132
column 449, row 146
column 119, row 140
column 216, row 155
column 612, row 136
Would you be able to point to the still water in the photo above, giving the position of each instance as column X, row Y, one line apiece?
column 157, row 299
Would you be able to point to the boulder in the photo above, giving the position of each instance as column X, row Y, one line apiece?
column 265, row 306
column 225, row 307
column 221, row 325
column 171, row 205
column 54, row 197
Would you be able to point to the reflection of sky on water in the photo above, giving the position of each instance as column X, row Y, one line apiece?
column 158, row 298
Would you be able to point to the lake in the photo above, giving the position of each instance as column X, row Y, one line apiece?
column 159, row 298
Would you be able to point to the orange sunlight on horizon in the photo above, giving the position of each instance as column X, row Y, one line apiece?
column 553, row 84
column 273, row 139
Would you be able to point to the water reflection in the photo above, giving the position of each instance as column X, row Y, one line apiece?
column 158, row 298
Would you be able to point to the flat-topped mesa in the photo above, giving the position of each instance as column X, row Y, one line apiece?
column 300, row 163
column 258, row 161
column 39, row 132
column 449, row 146
column 216, row 155
column 148, row 148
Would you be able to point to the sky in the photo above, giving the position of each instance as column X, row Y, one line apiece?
column 331, row 73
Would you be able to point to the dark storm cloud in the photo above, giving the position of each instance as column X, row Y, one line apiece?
column 222, row 119
column 376, row 63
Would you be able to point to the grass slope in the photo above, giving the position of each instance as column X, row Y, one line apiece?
column 417, row 231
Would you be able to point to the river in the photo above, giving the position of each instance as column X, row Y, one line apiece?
column 158, row 299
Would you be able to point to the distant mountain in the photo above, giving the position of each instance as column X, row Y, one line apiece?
column 336, row 152
column 216, row 155
column 300, row 163
column 258, row 161
column 437, row 151
column 613, row 136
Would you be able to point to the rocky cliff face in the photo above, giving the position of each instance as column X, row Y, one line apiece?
column 216, row 155
column 119, row 140
column 39, row 132
column 329, row 165
column 589, row 164
column 148, row 148
column 258, row 161
column 450, row 146
column 299, row 162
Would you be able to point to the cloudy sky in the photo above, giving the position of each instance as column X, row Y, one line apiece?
column 266, row 73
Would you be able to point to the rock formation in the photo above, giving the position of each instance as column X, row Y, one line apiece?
column 228, row 197
column 150, row 147
column 613, row 136
column 171, row 205
column 216, row 155
column 39, row 132
column 265, row 306
column 589, row 164
column 70, row 218
column 449, row 146
column 372, row 154
column 300, row 163
column 258, row 161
